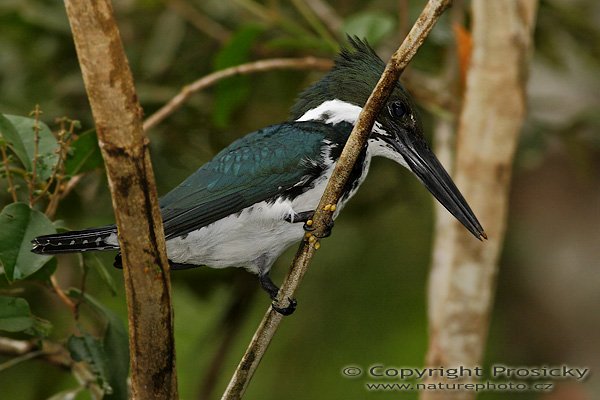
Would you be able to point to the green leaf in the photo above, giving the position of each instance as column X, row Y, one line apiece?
column 15, row 315
column 84, row 154
column 370, row 25
column 230, row 93
column 41, row 327
column 43, row 274
column 103, row 272
column 60, row 225
column 15, row 143
column 90, row 350
column 115, row 345
column 47, row 146
column 20, row 224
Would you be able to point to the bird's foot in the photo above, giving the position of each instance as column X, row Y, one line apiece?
column 308, row 225
column 289, row 310
column 267, row 284
column 118, row 263
column 307, row 218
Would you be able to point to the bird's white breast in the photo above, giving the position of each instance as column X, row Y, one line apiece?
column 252, row 238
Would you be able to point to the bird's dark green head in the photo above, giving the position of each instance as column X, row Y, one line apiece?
column 355, row 73
column 397, row 134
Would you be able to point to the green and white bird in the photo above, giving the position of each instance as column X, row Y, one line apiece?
column 252, row 200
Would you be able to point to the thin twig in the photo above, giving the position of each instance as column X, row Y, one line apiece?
column 339, row 177
column 11, row 186
column 200, row 21
column 60, row 193
column 69, row 186
column 36, row 143
column 14, row 347
column 64, row 139
column 62, row 296
column 84, row 273
column 17, row 360
column 51, row 352
column 306, row 63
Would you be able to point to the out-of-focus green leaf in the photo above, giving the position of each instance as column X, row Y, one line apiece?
column 40, row 328
column 60, row 225
column 14, row 141
column 371, row 25
column 115, row 346
column 230, row 93
column 43, row 274
column 167, row 34
column 20, row 224
column 47, row 157
column 84, row 154
column 90, row 350
column 15, row 315
column 103, row 272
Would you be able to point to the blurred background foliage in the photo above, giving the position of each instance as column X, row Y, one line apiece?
column 362, row 303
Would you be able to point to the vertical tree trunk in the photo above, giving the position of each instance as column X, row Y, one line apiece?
column 118, row 118
column 462, row 282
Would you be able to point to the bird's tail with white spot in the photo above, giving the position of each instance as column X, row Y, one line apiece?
column 93, row 239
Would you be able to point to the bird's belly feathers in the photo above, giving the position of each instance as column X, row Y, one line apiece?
column 253, row 239
column 256, row 236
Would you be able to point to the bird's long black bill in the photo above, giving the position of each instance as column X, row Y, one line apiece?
column 430, row 171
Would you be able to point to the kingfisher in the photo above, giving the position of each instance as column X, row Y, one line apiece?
column 257, row 196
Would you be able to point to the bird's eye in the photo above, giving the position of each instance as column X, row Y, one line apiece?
column 397, row 109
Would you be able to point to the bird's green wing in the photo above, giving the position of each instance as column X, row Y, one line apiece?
column 260, row 166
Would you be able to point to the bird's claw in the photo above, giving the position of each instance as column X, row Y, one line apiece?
column 326, row 232
column 308, row 225
column 285, row 311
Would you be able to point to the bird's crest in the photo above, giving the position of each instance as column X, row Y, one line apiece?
column 356, row 71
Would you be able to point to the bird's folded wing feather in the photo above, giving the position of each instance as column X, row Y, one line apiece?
column 260, row 166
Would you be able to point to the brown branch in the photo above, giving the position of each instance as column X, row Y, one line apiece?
column 118, row 118
column 323, row 214
column 62, row 296
column 36, row 144
column 243, row 69
column 462, row 280
column 23, row 350
column 62, row 190
column 54, row 354
column 64, row 138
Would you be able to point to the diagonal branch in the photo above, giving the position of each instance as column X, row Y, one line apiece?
column 242, row 69
column 323, row 214
column 118, row 118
